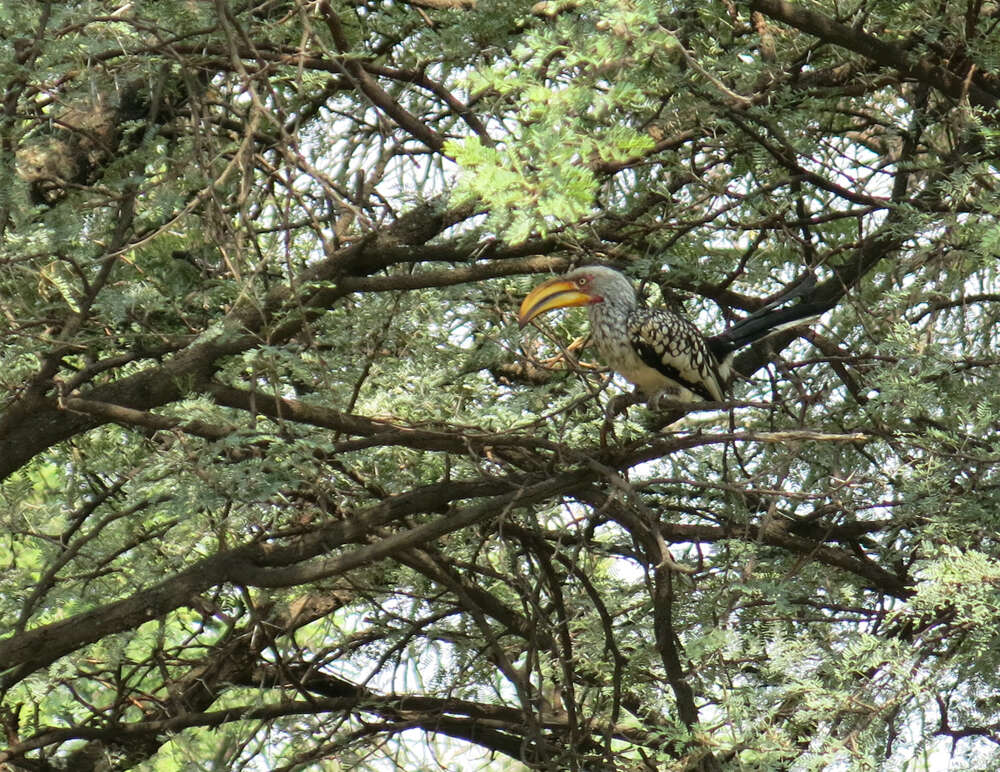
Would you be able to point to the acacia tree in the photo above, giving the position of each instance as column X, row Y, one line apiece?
column 284, row 486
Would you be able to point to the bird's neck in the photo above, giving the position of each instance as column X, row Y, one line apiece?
column 609, row 324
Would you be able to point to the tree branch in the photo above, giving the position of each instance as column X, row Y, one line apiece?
column 891, row 55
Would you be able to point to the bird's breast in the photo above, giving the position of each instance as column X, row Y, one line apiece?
column 610, row 334
column 657, row 352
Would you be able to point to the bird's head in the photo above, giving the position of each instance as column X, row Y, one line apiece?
column 582, row 287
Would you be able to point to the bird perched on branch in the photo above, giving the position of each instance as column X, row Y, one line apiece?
column 661, row 352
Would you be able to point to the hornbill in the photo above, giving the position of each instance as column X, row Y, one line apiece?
column 662, row 353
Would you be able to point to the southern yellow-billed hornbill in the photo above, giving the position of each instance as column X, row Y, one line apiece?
column 659, row 351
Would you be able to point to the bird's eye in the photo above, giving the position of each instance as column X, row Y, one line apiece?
column 582, row 281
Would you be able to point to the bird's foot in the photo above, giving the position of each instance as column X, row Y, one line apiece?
column 666, row 399
column 620, row 404
column 615, row 407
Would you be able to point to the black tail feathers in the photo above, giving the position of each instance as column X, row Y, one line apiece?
column 770, row 319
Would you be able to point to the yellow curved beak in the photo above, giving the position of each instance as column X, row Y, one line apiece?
column 555, row 293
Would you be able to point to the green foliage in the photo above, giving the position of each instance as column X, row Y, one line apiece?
column 284, row 486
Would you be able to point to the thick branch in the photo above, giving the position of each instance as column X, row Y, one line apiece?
column 890, row 55
column 269, row 565
column 34, row 422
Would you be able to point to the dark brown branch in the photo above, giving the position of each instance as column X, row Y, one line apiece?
column 443, row 5
column 35, row 420
column 419, row 78
column 872, row 574
column 375, row 93
column 271, row 565
column 496, row 727
column 107, row 412
column 514, row 266
column 381, row 432
column 892, row 55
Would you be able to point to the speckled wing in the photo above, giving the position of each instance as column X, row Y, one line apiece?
column 673, row 346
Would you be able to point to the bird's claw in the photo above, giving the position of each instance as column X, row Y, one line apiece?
column 616, row 406
column 666, row 399
column 619, row 405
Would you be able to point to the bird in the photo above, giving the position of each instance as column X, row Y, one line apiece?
column 661, row 352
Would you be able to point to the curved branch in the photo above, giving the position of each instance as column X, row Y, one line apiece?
column 270, row 565
column 35, row 422
column 891, row 55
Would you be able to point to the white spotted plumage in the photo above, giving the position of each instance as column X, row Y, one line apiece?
column 627, row 336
